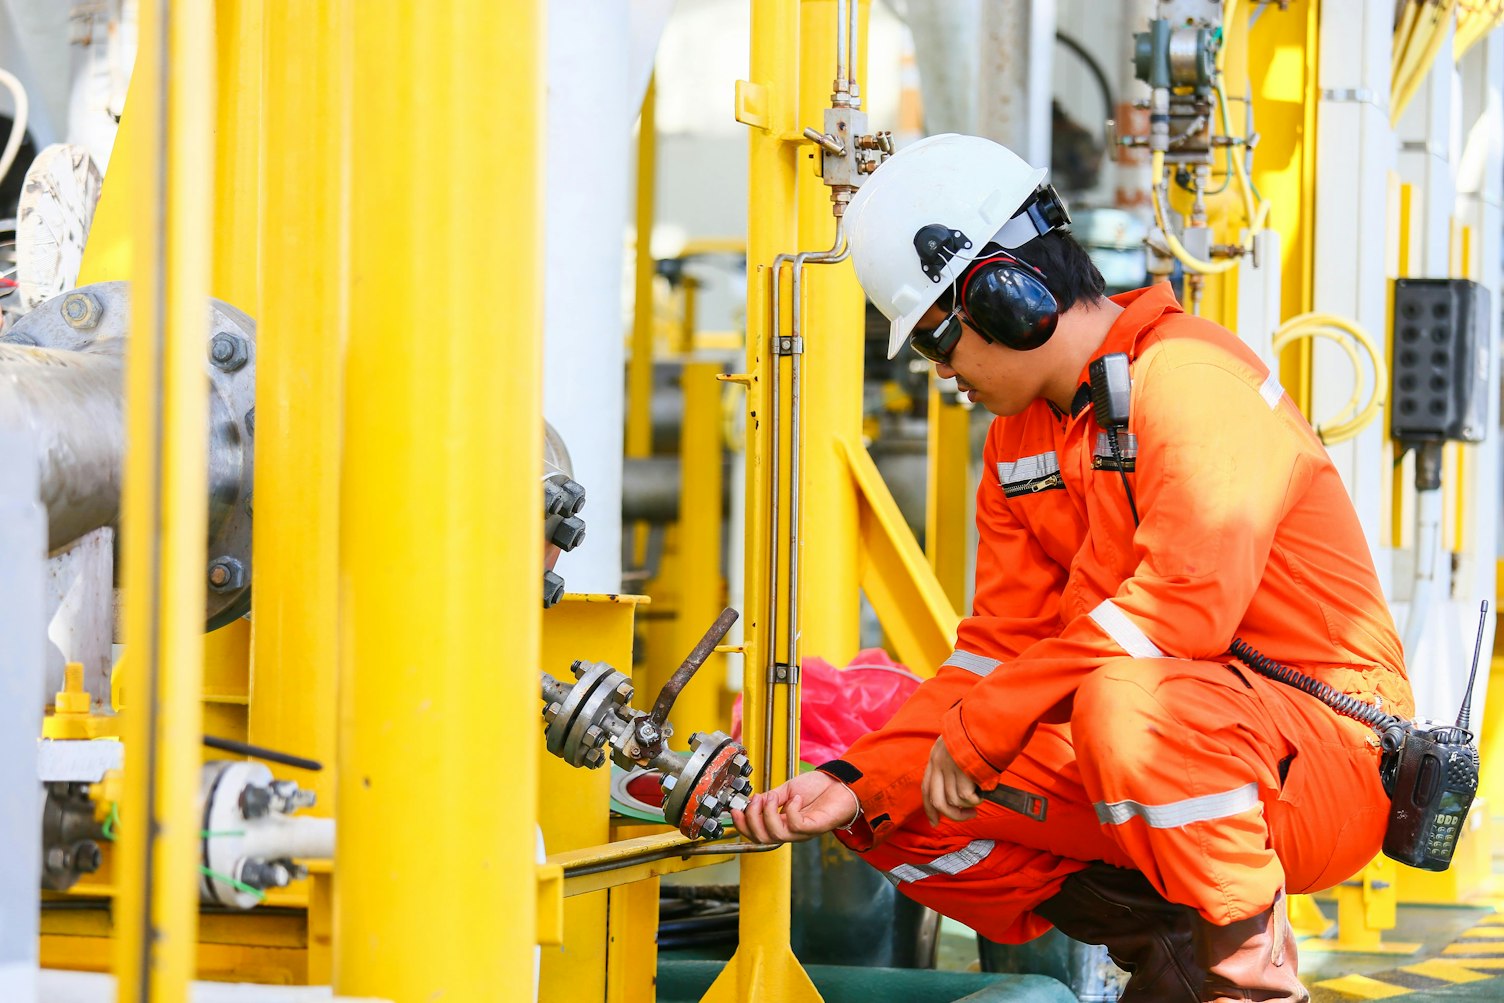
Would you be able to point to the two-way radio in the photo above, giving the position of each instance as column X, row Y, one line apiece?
column 1429, row 770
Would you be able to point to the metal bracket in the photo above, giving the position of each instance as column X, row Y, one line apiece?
column 550, row 904
column 788, row 346
column 782, row 673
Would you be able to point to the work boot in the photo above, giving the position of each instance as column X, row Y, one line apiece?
column 1252, row 959
column 1146, row 936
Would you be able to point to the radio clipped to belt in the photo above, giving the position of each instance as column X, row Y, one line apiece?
column 1429, row 770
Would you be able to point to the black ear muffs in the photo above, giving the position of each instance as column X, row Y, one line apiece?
column 1006, row 301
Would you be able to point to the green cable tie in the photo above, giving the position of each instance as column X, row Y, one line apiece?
column 111, row 820
column 239, row 886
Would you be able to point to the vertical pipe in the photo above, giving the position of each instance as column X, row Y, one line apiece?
column 833, row 327
column 300, row 339
column 440, row 535
column 640, row 364
column 700, row 458
column 163, row 513
column 764, row 967
column 237, row 154
column 23, row 633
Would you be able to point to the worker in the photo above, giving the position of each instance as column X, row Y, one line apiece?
column 1173, row 797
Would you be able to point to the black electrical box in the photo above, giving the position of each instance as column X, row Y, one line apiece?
column 1441, row 361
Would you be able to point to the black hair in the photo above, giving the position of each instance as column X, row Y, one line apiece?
column 1068, row 270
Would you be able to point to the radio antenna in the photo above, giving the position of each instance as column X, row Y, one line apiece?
column 1467, row 699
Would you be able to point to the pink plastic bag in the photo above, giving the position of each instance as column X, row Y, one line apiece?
column 841, row 705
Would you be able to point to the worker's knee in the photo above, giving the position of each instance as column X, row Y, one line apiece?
column 1119, row 719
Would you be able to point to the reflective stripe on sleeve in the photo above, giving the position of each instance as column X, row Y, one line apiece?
column 1178, row 813
column 952, row 863
column 1271, row 391
column 971, row 662
column 1116, row 625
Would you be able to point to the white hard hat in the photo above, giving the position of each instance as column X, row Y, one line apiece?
column 923, row 215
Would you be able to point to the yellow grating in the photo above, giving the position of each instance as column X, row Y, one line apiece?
column 1364, row 987
column 1446, row 971
column 1485, row 933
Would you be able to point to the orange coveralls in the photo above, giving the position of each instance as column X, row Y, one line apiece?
column 1094, row 668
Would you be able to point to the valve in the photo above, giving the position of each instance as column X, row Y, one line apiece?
column 590, row 719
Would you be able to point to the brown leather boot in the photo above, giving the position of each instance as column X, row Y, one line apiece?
column 1146, row 936
column 1252, row 959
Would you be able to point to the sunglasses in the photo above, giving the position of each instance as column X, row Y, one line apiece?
column 938, row 342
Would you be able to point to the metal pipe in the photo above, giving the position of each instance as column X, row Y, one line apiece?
column 71, row 403
column 836, row 253
column 164, row 518
column 299, row 387
column 451, row 428
column 685, row 851
column 843, row 40
column 23, row 625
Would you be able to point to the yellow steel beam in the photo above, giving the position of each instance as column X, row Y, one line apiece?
column 633, row 963
column 1282, row 55
column 164, row 515
column 834, row 335
column 915, row 612
column 574, row 804
column 300, row 338
column 702, row 593
column 639, row 430
column 238, row 135
column 441, row 537
column 764, row 967
column 946, row 489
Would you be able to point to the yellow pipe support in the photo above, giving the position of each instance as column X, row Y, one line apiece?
column 164, row 516
column 639, row 430
column 915, row 613
column 946, row 490
column 441, row 540
column 632, row 968
column 573, row 804
column 237, row 154
column 764, row 967
column 834, row 335
column 702, row 593
column 300, row 341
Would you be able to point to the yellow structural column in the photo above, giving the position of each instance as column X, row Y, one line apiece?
column 834, row 335
column 441, row 531
column 300, row 339
column 764, row 967
column 164, row 511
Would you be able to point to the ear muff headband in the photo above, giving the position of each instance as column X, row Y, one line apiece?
column 1006, row 301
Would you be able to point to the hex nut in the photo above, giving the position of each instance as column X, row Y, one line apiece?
column 569, row 533
column 669, row 783
column 86, row 856
column 228, row 351
column 594, row 758
column 226, row 574
column 553, row 589
column 82, row 311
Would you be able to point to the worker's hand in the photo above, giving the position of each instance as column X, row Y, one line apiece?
column 947, row 789
column 806, row 806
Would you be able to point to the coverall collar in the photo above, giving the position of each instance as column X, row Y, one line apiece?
column 1141, row 309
